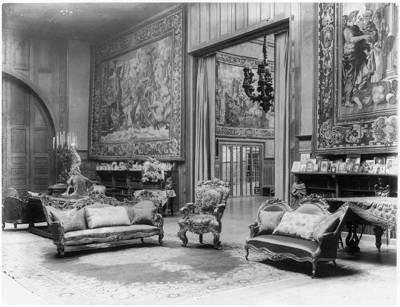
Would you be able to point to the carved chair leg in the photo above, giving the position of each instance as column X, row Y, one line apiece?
column 15, row 225
column 60, row 250
column 217, row 242
column 3, row 225
column 334, row 263
column 160, row 238
column 246, row 249
column 142, row 240
column 201, row 238
column 183, row 237
column 314, row 268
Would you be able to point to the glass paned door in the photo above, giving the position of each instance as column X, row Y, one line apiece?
column 240, row 166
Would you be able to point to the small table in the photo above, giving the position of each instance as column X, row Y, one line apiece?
column 162, row 198
column 377, row 211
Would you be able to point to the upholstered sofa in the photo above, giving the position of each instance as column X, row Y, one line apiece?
column 99, row 219
column 309, row 233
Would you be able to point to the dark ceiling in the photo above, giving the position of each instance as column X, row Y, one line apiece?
column 85, row 21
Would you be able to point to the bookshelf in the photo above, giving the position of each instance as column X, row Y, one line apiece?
column 331, row 185
column 122, row 183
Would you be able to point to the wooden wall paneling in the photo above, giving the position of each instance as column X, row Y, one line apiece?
column 240, row 15
column 225, row 19
column 254, row 13
column 267, row 10
column 204, row 22
column 215, row 22
column 21, row 53
column 193, row 24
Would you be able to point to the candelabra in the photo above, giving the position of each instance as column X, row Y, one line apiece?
column 266, row 91
column 64, row 146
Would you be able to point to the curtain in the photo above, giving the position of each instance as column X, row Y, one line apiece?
column 282, row 116
column 204, row 155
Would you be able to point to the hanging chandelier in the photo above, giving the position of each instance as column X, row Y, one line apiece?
column 265, row 96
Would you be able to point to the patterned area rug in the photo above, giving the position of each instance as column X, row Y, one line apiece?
column 131, row 272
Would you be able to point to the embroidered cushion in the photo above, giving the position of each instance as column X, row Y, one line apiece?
column 269, row 220
column 107, row 216
column 327, row 224
column 70, row 220
column 142, row 213
column 297, row 224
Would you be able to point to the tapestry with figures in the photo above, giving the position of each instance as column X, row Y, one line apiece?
column 236, row 114
column 357, row 74
column 136, row 103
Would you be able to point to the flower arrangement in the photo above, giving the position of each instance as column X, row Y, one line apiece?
column 152, row 170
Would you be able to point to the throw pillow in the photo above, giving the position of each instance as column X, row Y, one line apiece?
column 327, row 224
column 269, row 220
column 142, row 214
column 299, row 225
column 70, row 220
column 107, row 216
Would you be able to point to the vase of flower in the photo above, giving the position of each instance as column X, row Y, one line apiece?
column 152, row 176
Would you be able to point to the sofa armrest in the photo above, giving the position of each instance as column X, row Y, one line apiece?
column 254, row 229
column 57, row 231
column 219, row 211
column 158, row 221
column 186, row 209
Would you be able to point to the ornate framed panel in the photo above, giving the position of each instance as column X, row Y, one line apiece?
column 137, row 90
column 236, row 115
column 356, row 109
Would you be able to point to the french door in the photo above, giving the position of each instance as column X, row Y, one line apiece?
column 241, row 166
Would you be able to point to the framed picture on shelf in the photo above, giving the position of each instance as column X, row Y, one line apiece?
column 380, row 165
column 356, row 168
column 369, row 166
column 310, row 165
column 303, row 167
column 324, row 166
column 342, row 168
column 391, row 165
column 333, row 166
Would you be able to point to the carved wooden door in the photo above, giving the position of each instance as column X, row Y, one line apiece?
column 28, row 162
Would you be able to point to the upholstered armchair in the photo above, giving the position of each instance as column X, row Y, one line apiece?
column 14, row 210
column 205, row 214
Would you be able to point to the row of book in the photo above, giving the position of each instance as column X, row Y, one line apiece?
column 378, row 165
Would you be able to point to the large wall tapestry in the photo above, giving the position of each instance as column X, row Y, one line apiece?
column 236, row 114
column 357, row 73
column 136, row 103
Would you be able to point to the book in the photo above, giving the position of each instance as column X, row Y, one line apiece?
column 296, row 166
column 304, row 157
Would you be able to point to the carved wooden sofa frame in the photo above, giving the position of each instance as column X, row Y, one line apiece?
column 58, row 234
column 325, row 250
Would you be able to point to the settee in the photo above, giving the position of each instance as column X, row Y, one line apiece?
column 98, row 219
column 309, row 233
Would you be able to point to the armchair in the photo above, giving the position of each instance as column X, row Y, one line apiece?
column 14, row 210
column 205, row 214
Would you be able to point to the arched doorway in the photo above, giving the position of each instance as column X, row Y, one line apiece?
column 27, row 132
